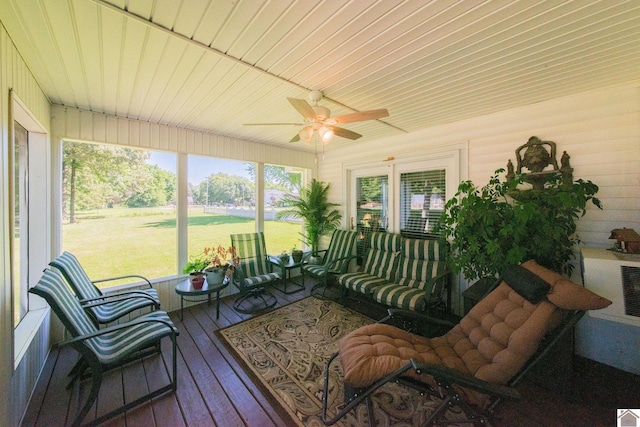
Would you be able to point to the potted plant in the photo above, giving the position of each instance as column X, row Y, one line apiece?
column 312, row 206
column 498, row 225
column 220, row 262
column 296, row 254
column 195, row 269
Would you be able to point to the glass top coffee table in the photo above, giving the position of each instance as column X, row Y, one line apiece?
column 189, row 294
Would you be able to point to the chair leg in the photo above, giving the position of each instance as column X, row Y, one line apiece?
column 268, row 301
column 96, row 380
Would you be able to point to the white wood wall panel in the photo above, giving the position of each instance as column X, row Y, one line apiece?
column 75, row 124
column 16, row 386
column 600, row 130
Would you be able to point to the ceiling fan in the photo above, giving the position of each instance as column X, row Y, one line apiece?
column 318, row 118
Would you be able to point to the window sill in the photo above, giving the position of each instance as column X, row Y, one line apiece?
column 24, row 333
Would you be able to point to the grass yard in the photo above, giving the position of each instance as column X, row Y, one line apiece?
column 114, row 242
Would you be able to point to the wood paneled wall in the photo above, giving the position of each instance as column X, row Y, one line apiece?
column 16, row 385
column 600, row 130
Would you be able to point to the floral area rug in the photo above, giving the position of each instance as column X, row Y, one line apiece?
column 286, row 351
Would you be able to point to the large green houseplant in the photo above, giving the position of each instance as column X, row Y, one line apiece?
column 313, row 207
column 495, row 226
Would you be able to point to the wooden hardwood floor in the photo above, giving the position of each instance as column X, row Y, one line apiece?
column 213, row 390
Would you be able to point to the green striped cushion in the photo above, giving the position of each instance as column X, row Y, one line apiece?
column 361, row 282
column 256, row 268
column 77, row 278
column 53, row 288
column 400, row 296
column 420, row 261
column 72, row 270
column 144, row 330
column 382, row 255
column 341, row 245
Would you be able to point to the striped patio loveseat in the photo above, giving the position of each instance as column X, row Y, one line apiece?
column 399, row 272
column 422, row 276
column 379, row 265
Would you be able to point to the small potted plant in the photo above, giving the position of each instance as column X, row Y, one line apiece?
column 221, row 262
column 296, row 254
column 195, row 269
column 284, row 257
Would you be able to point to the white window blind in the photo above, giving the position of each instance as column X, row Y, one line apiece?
column 422, row 200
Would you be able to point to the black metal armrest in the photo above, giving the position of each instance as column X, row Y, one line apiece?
column 128, row 276
column 449, row 376
column 309, row 254
column 342, row 263
column 108, row 299
column 415, row 315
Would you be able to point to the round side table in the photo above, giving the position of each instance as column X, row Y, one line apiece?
column 189, row 294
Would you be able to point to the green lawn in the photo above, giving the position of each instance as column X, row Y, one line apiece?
column 113, row 242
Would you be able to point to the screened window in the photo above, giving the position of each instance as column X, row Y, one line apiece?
column 119, row 210
column 221, row 202
column 281, row 235
column 20, row 244
column 422, row 200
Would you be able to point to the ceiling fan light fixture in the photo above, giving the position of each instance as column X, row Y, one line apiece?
column 306, row 134
column 326, row 134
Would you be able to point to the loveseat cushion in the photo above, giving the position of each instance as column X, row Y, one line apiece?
column 420, row 261
column 400, row 296
column 382, row 255
column 363, row 283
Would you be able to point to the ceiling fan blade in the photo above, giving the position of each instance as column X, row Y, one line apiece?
column 345, row 133
column 295, row 138
column 358, row 117
column 273, row 124
column 303, row 108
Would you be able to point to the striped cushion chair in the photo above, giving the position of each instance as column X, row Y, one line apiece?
column 104, row 308
column 379, row 265
column 421, row 279
column 104, row 349
column 335, row 260
column 253, row 273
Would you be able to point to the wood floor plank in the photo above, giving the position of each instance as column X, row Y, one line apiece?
column 192, row 404
column 166, row 410
column 232, row 375
column 200, row 365
column 58, row 406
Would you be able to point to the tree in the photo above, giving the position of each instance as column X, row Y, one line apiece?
column 158, row 189
column 277, row 177
column 95, row 175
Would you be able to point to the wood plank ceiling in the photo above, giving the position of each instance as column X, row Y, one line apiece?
column 212, row 65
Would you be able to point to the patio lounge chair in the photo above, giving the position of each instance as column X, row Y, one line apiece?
column 335, row 259
column 253, row 273
column 103, row 349
column 476, row 363
column 117, row 304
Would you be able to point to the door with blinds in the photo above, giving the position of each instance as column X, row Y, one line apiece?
column 370, row 211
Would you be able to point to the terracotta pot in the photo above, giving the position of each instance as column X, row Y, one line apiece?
column 196, row 279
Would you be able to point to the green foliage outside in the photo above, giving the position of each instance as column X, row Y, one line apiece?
column 493, row 227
